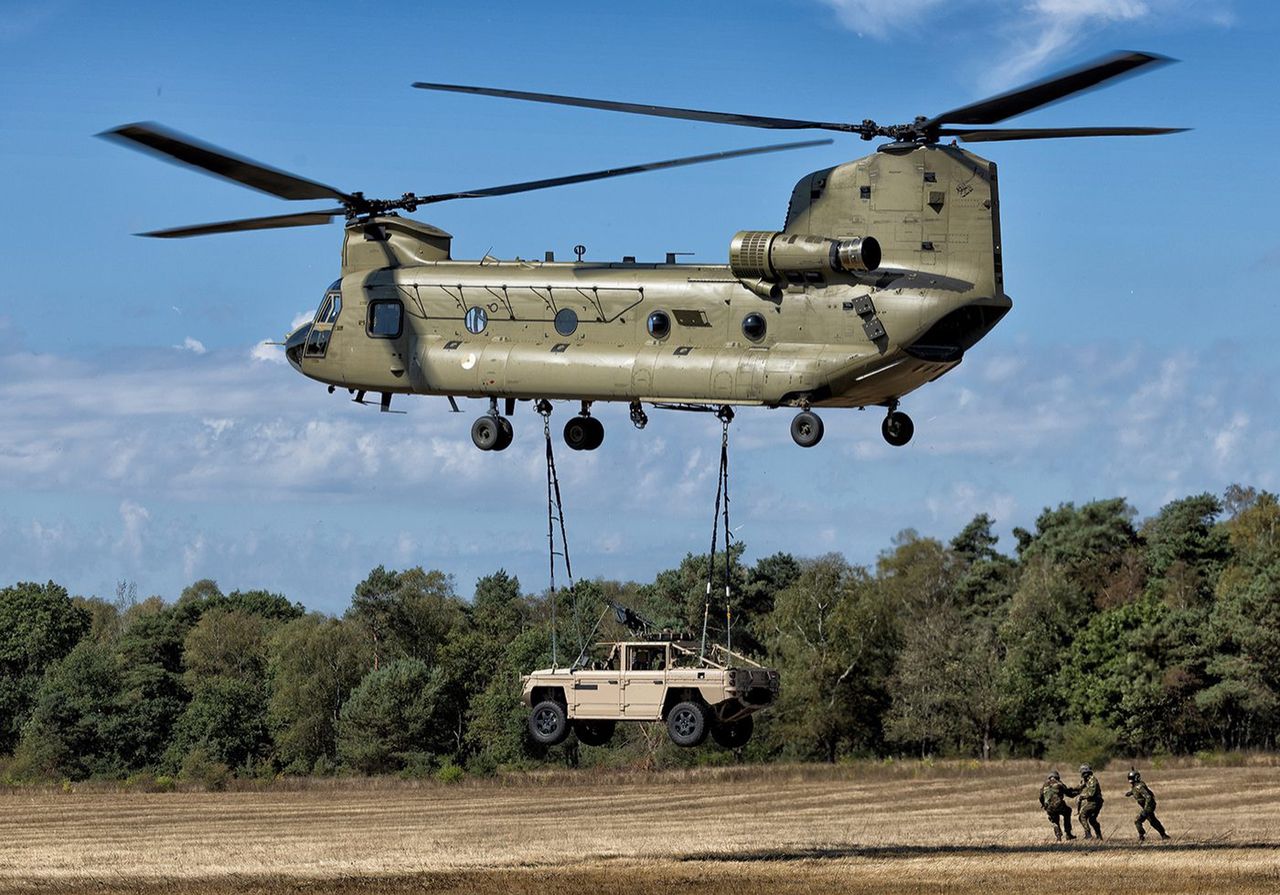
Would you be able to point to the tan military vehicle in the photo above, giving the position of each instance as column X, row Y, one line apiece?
column 696, row 695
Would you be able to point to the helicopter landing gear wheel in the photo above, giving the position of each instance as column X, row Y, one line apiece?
column 486, row 433
column 506, row 434
column 806, row 429
column 584, row 433
column 897, row 428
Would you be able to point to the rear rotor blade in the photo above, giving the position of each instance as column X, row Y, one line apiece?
column 176, row 147
column 1049, row 90
column 302, row 219
column 997, row 134
column 643, row 109
column 528, row 185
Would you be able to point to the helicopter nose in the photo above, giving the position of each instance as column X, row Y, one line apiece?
column 294, row 343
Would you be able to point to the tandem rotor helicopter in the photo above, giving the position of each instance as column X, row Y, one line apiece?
column 886, row 271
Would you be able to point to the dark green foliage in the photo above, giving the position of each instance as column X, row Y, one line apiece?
column 315, row 664
column 390, row 717
column 74, row 730
column 1097, row 638
column 407, row 614
column 39, row 624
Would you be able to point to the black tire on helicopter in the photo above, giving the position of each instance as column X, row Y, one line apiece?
column 897, row 428
column 806, row 429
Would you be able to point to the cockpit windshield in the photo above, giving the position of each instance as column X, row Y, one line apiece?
column 331, row 305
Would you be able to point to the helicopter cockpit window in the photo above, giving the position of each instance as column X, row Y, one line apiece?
column 332, row 308
column 386, row 319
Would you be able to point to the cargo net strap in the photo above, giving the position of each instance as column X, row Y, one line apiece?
column 719, row 516
column 555, row 516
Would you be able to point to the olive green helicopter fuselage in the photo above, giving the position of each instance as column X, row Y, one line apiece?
column 804, row 317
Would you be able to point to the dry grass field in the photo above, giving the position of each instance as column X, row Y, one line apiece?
column 947, row 828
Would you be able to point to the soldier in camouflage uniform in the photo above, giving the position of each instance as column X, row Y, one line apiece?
column 1090, row 803
column 1146, row 799
column 1053, row 799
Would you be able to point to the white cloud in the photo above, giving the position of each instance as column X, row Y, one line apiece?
column 1030, row 35
column 133, row 522
column 195, row 346
column 879, row 18
column 267, row 352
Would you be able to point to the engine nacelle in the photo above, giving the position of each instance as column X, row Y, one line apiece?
column 774, row 257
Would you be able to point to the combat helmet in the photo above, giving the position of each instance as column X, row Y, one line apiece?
column 1054, row 775
column 1134, row 776
column 1086, row 771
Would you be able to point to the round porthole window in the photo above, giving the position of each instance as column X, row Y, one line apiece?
column 477, row 320
column 754, row 326
column 566, row 321
column 658, row 324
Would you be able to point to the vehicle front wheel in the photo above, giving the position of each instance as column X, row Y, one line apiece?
column 549, row 724
column 594, row 733
column 687, row 724
column 733, row 734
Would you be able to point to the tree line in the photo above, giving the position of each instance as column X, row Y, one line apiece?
column 1097, row 634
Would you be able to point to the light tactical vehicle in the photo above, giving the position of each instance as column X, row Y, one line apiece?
column 697, row 694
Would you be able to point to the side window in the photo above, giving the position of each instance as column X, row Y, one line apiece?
column 386, row 319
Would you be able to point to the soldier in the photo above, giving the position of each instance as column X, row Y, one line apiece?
column 1053, row 799
column 1146, row 799
column 1090, row 803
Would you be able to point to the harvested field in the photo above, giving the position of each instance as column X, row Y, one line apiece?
column 737, row 830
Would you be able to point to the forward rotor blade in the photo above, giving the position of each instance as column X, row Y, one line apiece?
column 528, row 185
column 643, row 109
column 302, row 219
column 997, row 134
column 1049, row 90
column 176, row 147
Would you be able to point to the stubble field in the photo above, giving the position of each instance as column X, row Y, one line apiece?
column 735, row 830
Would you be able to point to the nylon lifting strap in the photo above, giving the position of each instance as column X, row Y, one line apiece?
column 555, row 513
column 725, row 415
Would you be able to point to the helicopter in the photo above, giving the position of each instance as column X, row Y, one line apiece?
column 887, row 270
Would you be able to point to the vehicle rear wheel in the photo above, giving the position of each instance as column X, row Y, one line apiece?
column 687, row 724
column 733, row 734
column 594, row 733
column 549, row 724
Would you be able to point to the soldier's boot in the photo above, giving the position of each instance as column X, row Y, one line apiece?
column 1142, row 834
column 1158, row 827
column 1057, row 834
column 1097, row 830
column 1066, row 825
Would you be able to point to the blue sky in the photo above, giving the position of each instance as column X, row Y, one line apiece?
column 146, row 435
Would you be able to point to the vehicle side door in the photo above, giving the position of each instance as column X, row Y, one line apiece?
column 595, row 692
column 644, row 681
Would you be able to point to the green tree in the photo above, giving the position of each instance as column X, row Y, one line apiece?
column 1185, row 550
column 225, row 657
column 39, row 625
column 390, row 717
column 315, row 663
column 407, row 614
column 74, row 729
column 832, row 639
